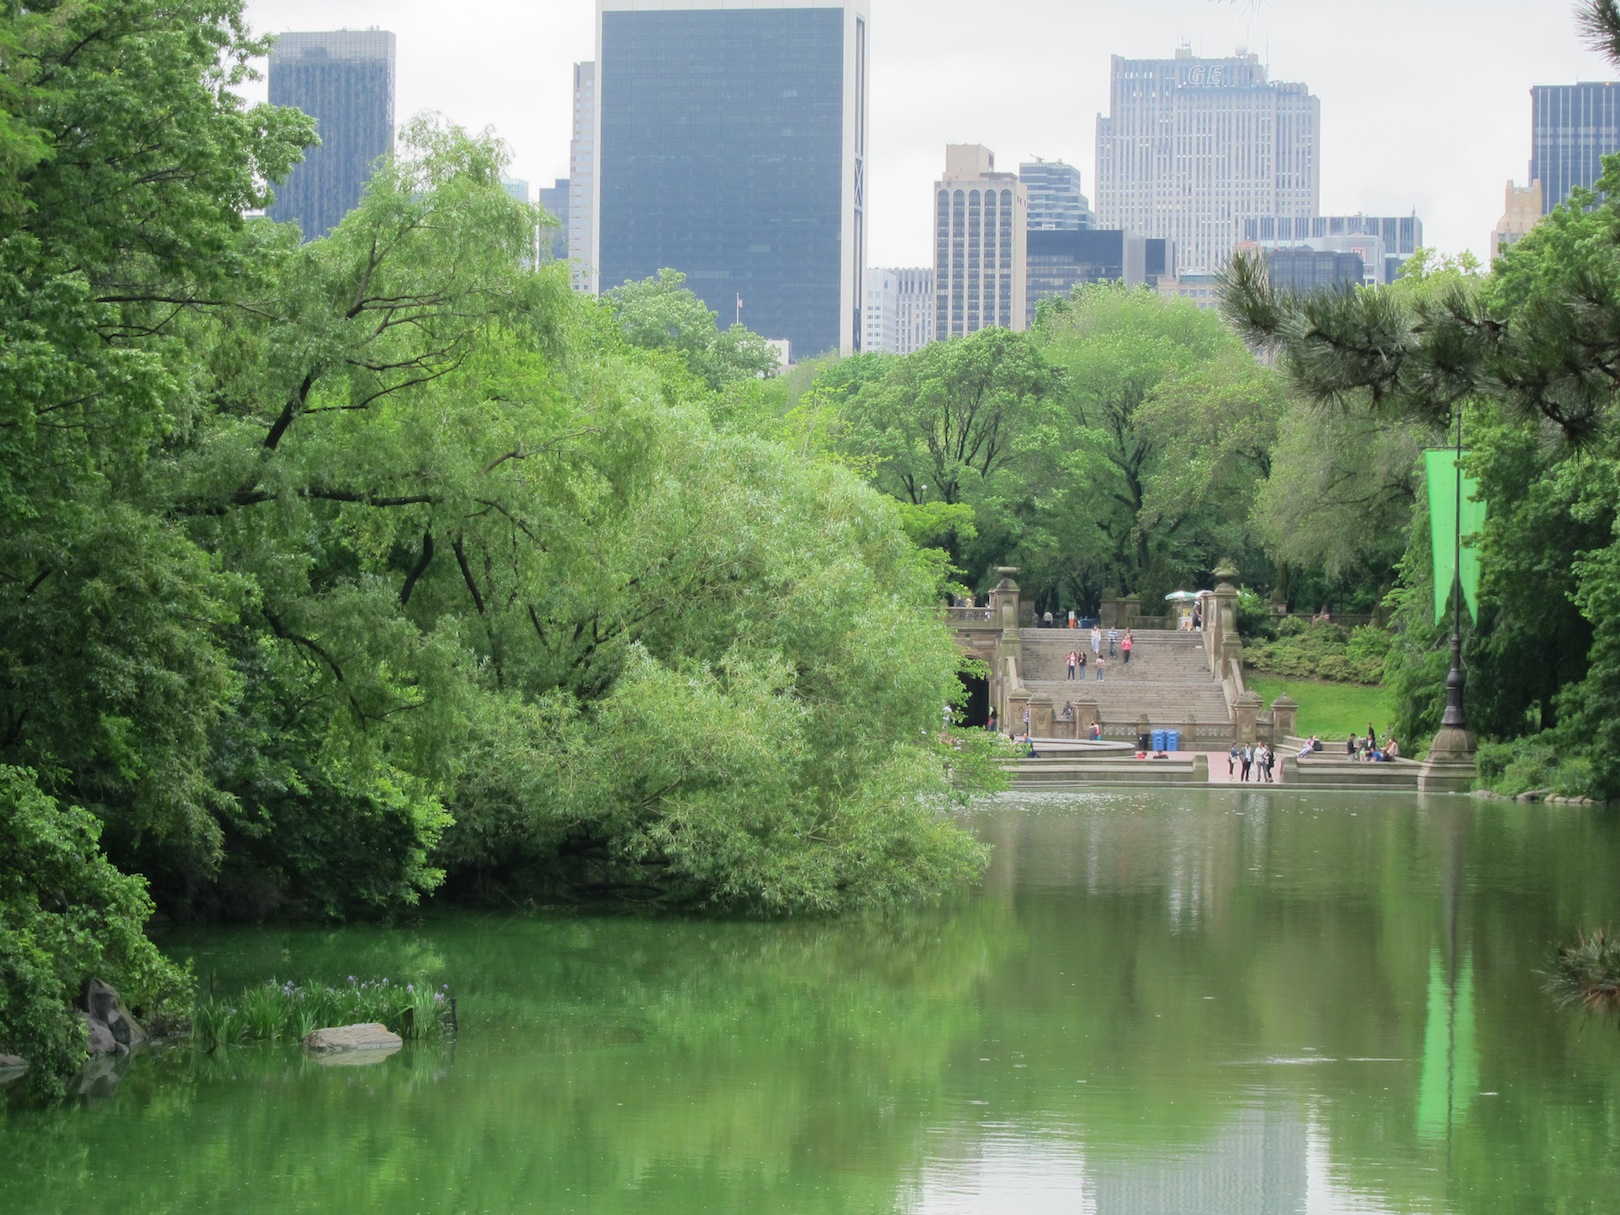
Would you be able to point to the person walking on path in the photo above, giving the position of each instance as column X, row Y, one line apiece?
column 1096, row 641
column 1072, row 662
column 1231, row 757
column 1246, row 760
column 1100, row 661
column 1265, row 762
column 1113, row 643
column 1126, row 646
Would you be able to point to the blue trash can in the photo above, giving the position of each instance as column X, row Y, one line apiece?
column 1158, row 740
column 1172, row 740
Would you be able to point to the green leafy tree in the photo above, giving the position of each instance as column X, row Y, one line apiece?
column 1527, row 357
column 1170, row 425
column 661, row 313
column 969, row 422
column 66, row 916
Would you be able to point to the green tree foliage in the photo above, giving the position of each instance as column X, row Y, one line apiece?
column 1527, row 356
column 315, row 550
column 660, row 313
column 1169, row 430
column 968, row 423
column 66, row 915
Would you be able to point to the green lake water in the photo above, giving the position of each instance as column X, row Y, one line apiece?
column 1211, row 1001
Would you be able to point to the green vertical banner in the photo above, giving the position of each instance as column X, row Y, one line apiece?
column 1441, row 469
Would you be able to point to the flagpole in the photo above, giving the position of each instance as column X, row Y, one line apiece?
column 1453, row 715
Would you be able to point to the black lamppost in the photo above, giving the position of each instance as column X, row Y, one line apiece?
column 1455, row 679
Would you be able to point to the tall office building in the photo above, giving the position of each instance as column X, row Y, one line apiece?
column 1191, row 146
column 554, row 240
column 981, row 240
column 581, row 217
column 1302, row 270
column 1055, row 200
column 731, row 146
column 899, row 314
column 1061, row 260
column 1521, row 211
column 1572, row 127
column 1400, row 235
column 344, row 79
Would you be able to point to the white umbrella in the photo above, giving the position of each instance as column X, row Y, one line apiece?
column 1182, row 596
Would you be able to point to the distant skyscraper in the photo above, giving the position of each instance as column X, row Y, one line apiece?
column 1302, row 270
column 1191, row 146
column 1521, row 211
column 731, row 146
column 554, row 241
column 899, row 313
column 1401, row 235
column 981, row 236
column 581, row 216
column 1061, row 260
column 344, row 79
column 1055, row 200
column 1572, row 127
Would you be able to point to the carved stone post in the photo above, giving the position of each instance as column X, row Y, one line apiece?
column 1248, row 717
column 1085, row 713
column 1019, row 708
column 1452, row 765
column 1284, row 716
column 1040, row 715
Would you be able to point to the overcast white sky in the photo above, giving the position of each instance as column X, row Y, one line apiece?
column 1425, row 103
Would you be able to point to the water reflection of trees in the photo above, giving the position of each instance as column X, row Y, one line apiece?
column 1229, row 976
column 1401, row 943
column 606, row 1065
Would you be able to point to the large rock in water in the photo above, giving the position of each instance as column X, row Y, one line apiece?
column 368, row 1037
column 108, row 1024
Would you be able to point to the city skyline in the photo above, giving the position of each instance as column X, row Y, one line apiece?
column 1424, row 107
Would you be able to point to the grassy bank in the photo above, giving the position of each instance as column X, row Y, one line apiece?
column 1331, row 710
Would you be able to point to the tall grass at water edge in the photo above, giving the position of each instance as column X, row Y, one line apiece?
column 287, row 1012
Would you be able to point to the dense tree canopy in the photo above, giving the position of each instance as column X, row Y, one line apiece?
column 1118, row 443
column 333, row 571
column 1527, row 357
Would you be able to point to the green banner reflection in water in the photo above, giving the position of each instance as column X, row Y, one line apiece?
column 1450, row 1077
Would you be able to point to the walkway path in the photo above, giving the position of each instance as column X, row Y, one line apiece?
column 1218, row 776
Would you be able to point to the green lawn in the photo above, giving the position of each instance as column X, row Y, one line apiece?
column 1329, row 710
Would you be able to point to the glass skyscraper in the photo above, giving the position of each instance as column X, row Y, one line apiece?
column 731, row 147
column 1572, row 128
column 1055, row 200
column 344, row 79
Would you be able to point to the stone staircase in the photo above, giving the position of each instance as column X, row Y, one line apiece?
column 1167, row 678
